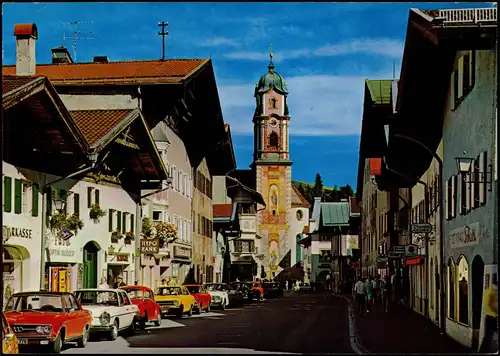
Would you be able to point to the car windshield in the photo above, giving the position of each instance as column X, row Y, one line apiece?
column 216, row 287
column 97, row 297
column 194, row 289
column 168, row 291
column 35, row 303
column 135, row 293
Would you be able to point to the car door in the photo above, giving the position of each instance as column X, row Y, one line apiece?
column 150, row 304
column 70, row 318
column 188, row 299
column 79, row 315
column 129, row 309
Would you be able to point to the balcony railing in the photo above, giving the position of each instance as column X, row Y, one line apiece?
column 469, row 15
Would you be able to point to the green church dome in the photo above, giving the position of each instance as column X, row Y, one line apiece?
column 271, row 80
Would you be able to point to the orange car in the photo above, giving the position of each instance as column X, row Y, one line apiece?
column 9, row 339
column 256, row 288
column 48, row 318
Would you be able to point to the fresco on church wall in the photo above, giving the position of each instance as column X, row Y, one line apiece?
column 273, row 198
column 273, row 251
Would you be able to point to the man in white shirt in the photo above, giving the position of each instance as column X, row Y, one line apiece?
column 359, row 290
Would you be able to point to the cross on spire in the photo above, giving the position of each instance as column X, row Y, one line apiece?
column 271, row 55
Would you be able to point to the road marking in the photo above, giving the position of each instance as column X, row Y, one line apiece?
column 166, row 324
column 205, row 315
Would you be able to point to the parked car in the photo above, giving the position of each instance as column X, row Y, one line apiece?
column 305, row 288
column 272, row 290
column 257, row 290
column 219, row 294
column 144, row 298
column 9, row 339
column 112, row 311
column 202, row 297
column 246, row 294
column 235, row 295
column 48, row 318
column 174, row 300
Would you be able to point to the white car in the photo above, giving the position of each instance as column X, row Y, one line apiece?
column 111, row 309
column 218, row 292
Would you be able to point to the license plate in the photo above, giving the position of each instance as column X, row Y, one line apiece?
column 22, row 341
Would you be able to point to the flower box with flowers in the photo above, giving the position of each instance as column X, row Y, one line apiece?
column 96, row 212
column 116, row 235
column 61, row 221
column 129, row 237
column 165, row 232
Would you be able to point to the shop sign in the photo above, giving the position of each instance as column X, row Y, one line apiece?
column 62, row 253
column 399, row 249
column 9, row 231
column 182, row 252
column 464, row 236
column 382, row 259
column 149, row 246
column 123, row 257
column 393, row 255
column 411, row 250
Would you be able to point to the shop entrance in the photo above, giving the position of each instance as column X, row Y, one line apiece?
column 90, row 265
column 12, row 269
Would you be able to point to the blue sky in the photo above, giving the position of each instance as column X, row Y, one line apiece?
column 325, row 51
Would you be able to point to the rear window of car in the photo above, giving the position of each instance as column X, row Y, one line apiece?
column 168, row 291
column 194, row 289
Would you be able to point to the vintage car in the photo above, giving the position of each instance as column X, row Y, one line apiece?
column 144, row 298
column 258, row 291
column 304, row 288
column 174, row 300
column 202, row 297
column 111, row 309
column 247, row 296
column 272, row 290
column 48, row 318
column 9, row 339
column 219, row 294
column 235, row 295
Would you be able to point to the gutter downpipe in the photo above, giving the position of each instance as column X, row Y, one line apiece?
column 43, row 233
column 442, row 314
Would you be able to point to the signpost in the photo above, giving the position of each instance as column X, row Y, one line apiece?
column 421, row 228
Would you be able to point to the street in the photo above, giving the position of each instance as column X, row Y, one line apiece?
column 298, row 323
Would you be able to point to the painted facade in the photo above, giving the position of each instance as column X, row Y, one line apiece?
column 470, row 245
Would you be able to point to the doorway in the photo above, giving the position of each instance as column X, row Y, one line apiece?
column 90, row 265
column 477, row 297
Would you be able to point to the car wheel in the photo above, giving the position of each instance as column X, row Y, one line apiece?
column 56, row 346
column 198, row 309
column 158, row 321
column 113, row 334
column 84, row 339
column 142, row 322
column 132, row 328
column 190, row 312
column 208, row 308
column 180, row 313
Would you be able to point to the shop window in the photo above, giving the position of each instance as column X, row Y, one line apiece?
column 451, row 288
column 463, row 290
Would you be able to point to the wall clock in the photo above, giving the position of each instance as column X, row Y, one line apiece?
column 273, row 122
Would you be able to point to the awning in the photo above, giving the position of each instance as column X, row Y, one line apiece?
column 415, row 260
column 18, row 253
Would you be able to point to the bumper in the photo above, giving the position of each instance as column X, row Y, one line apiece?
column 101, row 328
column 169, row 309
column 35, row 340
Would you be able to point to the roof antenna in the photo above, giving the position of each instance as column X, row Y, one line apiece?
column 76, row 34
column 162, row 33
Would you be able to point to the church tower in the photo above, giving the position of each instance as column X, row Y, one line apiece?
column 272, row 167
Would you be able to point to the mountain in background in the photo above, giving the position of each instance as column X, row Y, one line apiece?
column 317, row 189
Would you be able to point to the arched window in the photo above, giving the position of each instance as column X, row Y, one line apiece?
column 451, row 288
column 272, row 103
column 273, row 140
column 298, row 250
column 463, row 290
column 300, row 215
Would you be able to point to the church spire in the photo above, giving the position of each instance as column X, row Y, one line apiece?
column 271, row 55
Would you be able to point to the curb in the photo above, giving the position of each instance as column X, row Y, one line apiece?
column 354, row 339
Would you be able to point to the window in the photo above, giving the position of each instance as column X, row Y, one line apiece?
column 464, row 194
column 272, row 103
column 300, row 215
column 273, row 140
column 463, row 290
column 463, row 78
column 157, row 215
column 298, row 249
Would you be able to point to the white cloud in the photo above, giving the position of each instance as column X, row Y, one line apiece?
column 319, row 104
column 219, row 41
column 383, row 47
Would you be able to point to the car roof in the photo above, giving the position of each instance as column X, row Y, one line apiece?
column 192, row 285
column 99, row 290
column 135, row 287
column 166, row 286
column 42, row 292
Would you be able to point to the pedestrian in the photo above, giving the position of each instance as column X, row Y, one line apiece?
column 103, row 284
column 490, row 308
column 359, row 291
column 375, row 287
column 386, row 289
column 327, row 282
column 119, row 282
column 369, row 294
column 286, row 285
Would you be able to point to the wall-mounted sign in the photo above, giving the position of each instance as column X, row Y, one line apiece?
column 62, row 253
column 464, row 236
column 411, row 250
column 421, row 228
column 382, row 259
column 122, row 257
column 9, row 231
column 393, row 255
column 149, row 246
column 65, row 234
column 399, row 249
column 182, row 252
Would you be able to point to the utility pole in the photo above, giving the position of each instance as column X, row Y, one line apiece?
column 76, row 34
column 162, row 33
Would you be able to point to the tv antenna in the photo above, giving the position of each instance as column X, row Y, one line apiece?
column 76, row 34
column 162, row 33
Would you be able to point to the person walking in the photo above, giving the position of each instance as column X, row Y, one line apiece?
column 490, row 308
column 386, row 291
column 369, row 294
column 376, row 290
column 358, row 292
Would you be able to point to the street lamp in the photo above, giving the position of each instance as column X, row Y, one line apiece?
column 463, row 164
column 60, row 204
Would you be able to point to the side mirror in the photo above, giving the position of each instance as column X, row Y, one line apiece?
column 9, row 337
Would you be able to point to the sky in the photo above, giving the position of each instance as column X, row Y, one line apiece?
column 325, row 52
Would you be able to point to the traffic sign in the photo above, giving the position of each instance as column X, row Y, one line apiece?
column 421, row 228
column 65, row 234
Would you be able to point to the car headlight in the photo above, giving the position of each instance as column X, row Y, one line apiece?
column 176, row 302
column 105, row 318
column 43, row 329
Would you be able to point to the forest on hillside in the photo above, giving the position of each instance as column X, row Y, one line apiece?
column 317, row 189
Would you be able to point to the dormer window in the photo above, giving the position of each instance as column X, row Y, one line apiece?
column 272, row 103
column 273, row 140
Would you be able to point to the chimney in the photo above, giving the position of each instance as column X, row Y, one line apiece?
column 60, row 55
column 26, row 36
column 101, row 59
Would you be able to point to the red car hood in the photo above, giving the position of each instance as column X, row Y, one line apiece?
column 34, row 317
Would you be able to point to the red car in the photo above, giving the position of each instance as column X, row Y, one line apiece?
column 144, row 298
column 202, row 297
column 48, row 318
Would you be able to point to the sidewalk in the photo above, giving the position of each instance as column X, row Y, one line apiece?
column 402, row 330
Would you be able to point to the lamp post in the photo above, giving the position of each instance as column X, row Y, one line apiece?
column 441, row 225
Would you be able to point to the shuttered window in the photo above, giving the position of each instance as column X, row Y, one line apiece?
column 463, row 188
column 454, row 184
column 89, row 197
column 96, row 197
column 447, row 206
column 132, row 222
column 475, row 188
column 34, row 202
column 7, row 194
column 118, row 220
column 483, row 164
column 76, row 204
column 18, row 195
column 110, row 217
column 124, row 223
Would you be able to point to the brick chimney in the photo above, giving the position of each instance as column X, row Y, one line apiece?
column 26, row 36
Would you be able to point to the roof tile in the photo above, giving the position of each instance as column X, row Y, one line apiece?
column 94, row 124
column 222, row 210
column 298, row 199
column 10, row 83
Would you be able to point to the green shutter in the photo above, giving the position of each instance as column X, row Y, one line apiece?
column 124, row 223
column 89, row 197
column 34, row 205
column 110, row 217
column 50, row 194
column 97, row 196
column 132, row 222
column 7, row 197
column 118, row 220
column 76, row 204
column 18, row 195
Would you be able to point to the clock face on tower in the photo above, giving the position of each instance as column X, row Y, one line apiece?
column 273, row 122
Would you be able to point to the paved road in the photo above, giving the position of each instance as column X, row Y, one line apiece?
column 295, row 324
